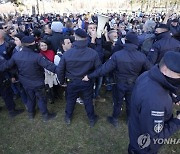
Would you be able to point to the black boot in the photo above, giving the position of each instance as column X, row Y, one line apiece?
column 48, row 116
column 58, row 92
column 93, row 122
column 112, row 121
column 16, row 96
column 51, row 96
column 15, row 112
column 31, row 115
column 67, row 120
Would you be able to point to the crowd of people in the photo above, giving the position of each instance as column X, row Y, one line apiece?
column 137, row 57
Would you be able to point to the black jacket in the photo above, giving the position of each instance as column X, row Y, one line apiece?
column 97, row 46
column 55, row 40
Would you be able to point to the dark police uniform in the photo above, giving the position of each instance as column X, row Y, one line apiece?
column 5, row 84
column 165, row 42
column 6, row 91
column 31, row 74
column 175, row 30
column 126, row 64
column 74, row 65
column 151, row 112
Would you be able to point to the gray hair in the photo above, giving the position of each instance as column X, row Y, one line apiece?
column 112, row 31
column 149, row 26
column 2, row 33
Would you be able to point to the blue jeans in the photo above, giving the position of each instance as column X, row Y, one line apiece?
column 109, row 81
column 74, row 89
column 98, row 84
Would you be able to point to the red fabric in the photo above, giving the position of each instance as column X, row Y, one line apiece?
column 49, row 54
column 46, row 20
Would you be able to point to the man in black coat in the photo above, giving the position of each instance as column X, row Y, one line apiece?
column 151, row 117
column 74, row 65
column 96, row 44
column 57, row 35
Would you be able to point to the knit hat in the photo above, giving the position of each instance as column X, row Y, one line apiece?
column 56, row 26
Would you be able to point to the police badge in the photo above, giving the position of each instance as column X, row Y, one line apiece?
column 158, row 127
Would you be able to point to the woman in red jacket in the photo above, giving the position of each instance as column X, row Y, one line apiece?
column 45, row 51
column 50, row 78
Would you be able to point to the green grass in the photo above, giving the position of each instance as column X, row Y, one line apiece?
column 22, row 136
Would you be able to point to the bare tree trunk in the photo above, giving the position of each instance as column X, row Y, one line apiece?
column 37, row 6
column 141, row 5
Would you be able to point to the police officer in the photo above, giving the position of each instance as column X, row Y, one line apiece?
column 151, row 113
column 164, row 42
column 31, row 66
column 74, row 65
column 5, row 80
column 126, row 64
column 174, row 27
column 7, row 94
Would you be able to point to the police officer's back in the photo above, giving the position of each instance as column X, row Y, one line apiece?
column 164, row 42
column 74, row 65
column 126, row 64
column 31, row 66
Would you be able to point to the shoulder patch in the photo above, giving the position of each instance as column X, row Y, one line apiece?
column 157, row 113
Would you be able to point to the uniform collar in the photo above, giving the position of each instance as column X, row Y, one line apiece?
column 163, row 35
column 80, row 44
column 156, row 75
column 27, row 49
column 130, row 46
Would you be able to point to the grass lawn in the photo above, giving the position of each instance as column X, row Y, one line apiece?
column 22, row 136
